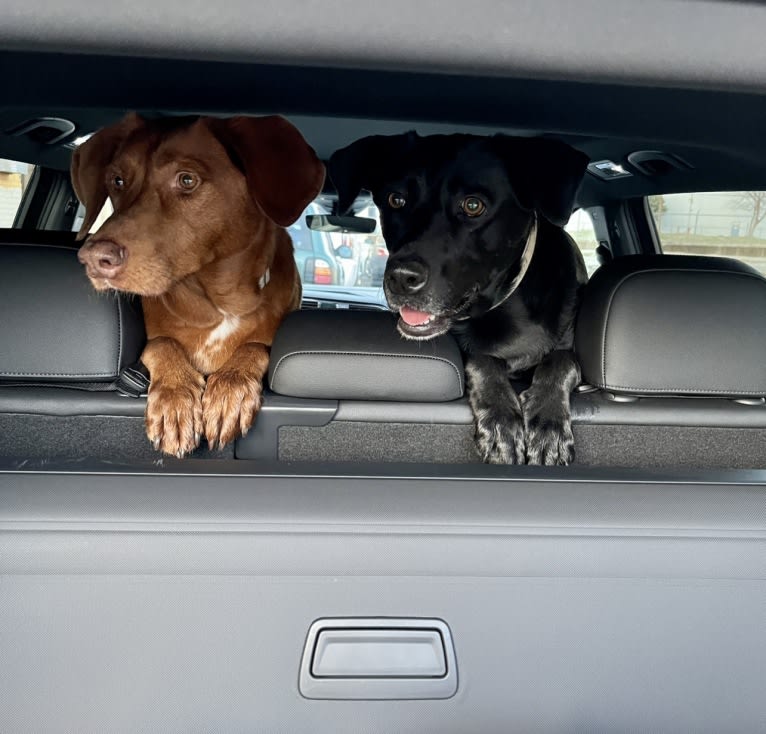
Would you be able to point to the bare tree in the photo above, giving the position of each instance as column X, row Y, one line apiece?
column 658, row 207
column 753, row 202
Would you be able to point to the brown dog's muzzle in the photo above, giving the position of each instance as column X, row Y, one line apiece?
column 102, row 258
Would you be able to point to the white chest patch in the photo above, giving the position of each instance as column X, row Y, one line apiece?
column 224, row 330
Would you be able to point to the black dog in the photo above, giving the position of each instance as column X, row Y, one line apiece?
column 474, row 228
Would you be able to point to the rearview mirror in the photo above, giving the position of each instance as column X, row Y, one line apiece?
column 332, row 223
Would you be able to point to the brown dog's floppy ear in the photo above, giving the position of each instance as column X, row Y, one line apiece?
column 365, row 164
column 283, row 172
column 88, row 168
column 545, row 174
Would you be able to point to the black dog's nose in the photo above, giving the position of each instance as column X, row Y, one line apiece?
column 406, row 278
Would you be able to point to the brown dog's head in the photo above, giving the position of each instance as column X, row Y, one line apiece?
column 186, row 192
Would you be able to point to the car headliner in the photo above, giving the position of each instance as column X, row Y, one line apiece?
column 706, row 106
column 670, row 42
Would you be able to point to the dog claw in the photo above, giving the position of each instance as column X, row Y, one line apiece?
column 171, row 421
column 230, row 400
column 550, row 441
column 500, row 438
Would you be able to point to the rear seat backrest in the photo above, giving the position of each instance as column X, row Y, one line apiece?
column 676, row 347
column 327, row 355
column 674, row 325
column 62, row 346
column 346, row 386
column 673, row 349
column 55, row 328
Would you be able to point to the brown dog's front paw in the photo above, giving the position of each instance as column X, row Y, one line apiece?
column 229, row 406
column 174, row 416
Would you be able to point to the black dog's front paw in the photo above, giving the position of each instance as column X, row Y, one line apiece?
column 500, row 437
column 550, row 440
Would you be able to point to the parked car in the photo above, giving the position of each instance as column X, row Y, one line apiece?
column 315, row 255
column 375, row 264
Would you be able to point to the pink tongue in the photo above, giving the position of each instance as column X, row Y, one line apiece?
column 412, row 317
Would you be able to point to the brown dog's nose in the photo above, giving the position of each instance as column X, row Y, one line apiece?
column 103, row 258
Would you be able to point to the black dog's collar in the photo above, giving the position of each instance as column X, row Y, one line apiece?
column 526, row 258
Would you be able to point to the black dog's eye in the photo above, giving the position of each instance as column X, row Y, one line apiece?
column 187, row 181
column 396, row 201
column 119, row 182
column 473, row 206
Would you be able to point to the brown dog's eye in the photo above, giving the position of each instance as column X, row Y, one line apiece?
column 187, row 181
column 396, row 201
column 119, row 182
column 473, row 206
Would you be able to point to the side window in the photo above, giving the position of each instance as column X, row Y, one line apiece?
column 14, row 177
column 580, row 229
column 723, row 223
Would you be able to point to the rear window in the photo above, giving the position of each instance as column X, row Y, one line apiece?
column 356, row 262
column 14, row 177
column 723, row 223
column 349, row 263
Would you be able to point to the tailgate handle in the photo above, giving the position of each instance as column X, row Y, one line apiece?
column 378, row 658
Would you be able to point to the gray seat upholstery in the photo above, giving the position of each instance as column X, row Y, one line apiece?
column 345, row 385
column 55, row 328
column 676, row 346
column 643, row 320
column 674, row 325
column 62, row 347
column 327, row 355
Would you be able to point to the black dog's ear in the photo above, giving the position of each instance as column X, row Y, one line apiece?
column 366, row 164
column 545, row 174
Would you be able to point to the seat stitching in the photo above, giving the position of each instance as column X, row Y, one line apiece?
column 119, row 334
column 55, row 374
column 622, row 281
column 675, row 390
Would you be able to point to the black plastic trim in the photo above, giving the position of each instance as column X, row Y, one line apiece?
column 262, row 441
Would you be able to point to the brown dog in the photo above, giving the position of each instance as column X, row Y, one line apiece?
column 200, row 206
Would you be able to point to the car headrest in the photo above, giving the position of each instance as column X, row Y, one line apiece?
column 54, row 327
column 359, row 355
column 675, row 325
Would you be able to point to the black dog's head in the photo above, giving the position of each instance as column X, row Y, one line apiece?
column 456, row 212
